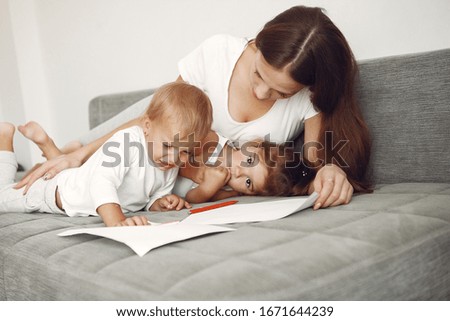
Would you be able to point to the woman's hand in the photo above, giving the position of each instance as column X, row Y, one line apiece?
column 49, row 169
column 333, row 187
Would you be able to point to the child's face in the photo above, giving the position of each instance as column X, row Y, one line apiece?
column 166, row 149
column 248, row 171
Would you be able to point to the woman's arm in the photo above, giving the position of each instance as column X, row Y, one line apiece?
column 331, row 181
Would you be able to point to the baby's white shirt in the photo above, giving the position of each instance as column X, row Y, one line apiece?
column 134, row 181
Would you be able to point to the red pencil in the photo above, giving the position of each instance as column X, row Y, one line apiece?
column 211, row 207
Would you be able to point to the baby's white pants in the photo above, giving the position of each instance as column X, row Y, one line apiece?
column 41, row 197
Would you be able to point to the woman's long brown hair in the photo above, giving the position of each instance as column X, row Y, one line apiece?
column 317, row 54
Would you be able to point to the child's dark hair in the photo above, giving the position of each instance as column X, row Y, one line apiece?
column 289, row 173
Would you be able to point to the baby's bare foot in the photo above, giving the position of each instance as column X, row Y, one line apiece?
column 6, row 136
column 7, row 130
column 34, row 132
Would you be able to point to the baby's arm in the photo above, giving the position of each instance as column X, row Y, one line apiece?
column 214, row 179
column 112, row 215
column 168, row 203
column 105, row 178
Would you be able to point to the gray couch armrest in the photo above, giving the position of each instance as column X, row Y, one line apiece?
column 104, row 107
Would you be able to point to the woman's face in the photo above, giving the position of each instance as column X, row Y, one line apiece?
column 269, row 83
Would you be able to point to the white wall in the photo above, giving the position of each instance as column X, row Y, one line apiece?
column 12, row 108
column 66, row 52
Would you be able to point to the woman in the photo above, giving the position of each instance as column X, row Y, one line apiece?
column 297, row 75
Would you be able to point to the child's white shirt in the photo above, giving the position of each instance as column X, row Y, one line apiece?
column 210, row 67
column 118, row 172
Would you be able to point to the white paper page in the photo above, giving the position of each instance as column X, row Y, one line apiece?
column 142, row 239
column 254, row 212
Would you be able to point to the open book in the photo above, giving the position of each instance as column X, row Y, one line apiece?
column 145, row 238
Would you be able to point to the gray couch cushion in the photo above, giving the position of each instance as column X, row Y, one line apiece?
column 406, row 102
column 385, row 246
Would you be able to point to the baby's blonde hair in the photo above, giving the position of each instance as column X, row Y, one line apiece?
column 184, row 104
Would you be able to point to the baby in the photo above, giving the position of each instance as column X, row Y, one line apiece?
column 133, row 169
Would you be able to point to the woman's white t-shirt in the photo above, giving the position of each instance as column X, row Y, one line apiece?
column 210, row 67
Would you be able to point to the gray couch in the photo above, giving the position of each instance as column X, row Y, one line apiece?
column 390, row 245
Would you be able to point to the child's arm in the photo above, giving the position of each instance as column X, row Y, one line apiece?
column 112, row 215
column 222, row 194
column 214, row 179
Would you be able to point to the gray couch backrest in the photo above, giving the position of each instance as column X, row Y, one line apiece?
column 102, row 108
column 406, row 102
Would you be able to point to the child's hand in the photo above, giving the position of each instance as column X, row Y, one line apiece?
column 170, row 202
column 133, row 221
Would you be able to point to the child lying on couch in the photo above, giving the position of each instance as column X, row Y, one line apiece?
column 110, row 183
